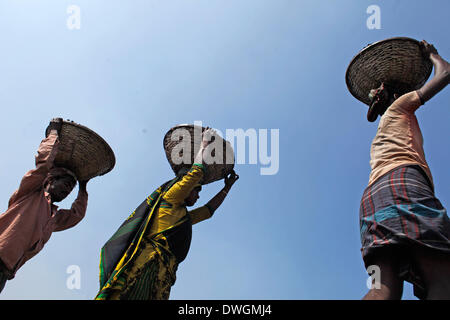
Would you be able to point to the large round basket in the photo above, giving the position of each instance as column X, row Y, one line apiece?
column 398, row 62
column 83, row 151
column 181, row 144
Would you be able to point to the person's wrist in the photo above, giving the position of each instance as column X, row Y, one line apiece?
column 434, row 56
column 199, row 156
column 203, row 146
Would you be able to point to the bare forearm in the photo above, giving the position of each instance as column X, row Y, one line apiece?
column 440, row 65
column 83, row 186
column 206, row 140
column 199, row 157
column 230, row 179
column 218, row 199
column 440, row 79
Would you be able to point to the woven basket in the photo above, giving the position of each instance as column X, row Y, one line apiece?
column 83, row 151
column 398, row 62
column 187, row 138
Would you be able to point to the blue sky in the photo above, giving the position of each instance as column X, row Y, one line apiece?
column 135, row 69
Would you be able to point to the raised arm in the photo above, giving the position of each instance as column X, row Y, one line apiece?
column 67, row 218
column 178, row 193
column 208, row 210
column 47, row 151
column 441, row 76
column 46, row 154
column 218, row 199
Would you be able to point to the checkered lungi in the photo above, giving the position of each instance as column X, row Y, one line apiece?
column 400, row 210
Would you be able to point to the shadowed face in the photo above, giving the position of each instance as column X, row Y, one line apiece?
column 193, row 196
column 59, row 186
column 381, row 99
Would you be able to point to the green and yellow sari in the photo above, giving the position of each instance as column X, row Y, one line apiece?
column 139, row 262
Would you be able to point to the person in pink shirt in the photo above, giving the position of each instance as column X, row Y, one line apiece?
column 405, row 230
column 32, row 216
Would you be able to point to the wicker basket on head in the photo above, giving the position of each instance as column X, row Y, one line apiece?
column 187, row 138
column 83, row 151
column 398, row 62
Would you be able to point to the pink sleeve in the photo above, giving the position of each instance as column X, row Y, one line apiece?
column 33, row 179
column 67, row 218
column 407, row 103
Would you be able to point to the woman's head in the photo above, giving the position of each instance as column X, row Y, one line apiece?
column 193, row 196
column 59, row 183
column 381, row 98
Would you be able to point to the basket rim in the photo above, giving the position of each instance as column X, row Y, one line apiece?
column 109, row 152
column 191, row 126
column 188, row 125
column 370, row 47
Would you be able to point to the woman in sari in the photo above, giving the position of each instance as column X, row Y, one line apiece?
column 141, row 259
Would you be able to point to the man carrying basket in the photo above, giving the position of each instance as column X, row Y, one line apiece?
column 405, row 230
column 32, row 216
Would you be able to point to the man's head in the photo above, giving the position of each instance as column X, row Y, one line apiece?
column 381, row 98
column 59, row 183
column 193, row 196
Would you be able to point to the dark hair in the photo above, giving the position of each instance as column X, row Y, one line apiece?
column 58, row 172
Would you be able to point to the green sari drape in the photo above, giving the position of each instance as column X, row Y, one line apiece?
column 121, row 249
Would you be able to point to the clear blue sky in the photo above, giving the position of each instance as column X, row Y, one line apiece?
column 136, row 68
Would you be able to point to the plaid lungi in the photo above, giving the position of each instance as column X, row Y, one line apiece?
column 400, row 210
